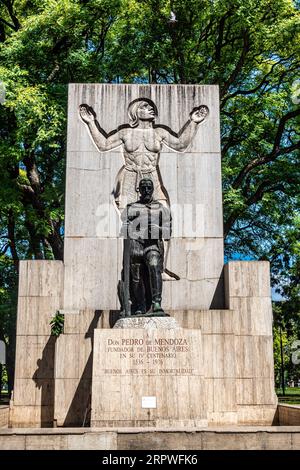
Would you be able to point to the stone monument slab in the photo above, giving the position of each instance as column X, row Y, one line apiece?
column 147, row 377
column 186, row 169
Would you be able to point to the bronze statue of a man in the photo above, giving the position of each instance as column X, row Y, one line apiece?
column 145, row 224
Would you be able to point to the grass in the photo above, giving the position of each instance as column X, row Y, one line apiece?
column 291, row 397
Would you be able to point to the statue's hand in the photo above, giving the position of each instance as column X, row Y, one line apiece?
column 199, row 114
column 87, row 113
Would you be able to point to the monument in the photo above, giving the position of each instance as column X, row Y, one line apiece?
column 157, row 331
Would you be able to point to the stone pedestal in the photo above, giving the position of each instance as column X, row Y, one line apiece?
column 40, row 296
column 148, row 323
column 236, row 353
column 148, row 377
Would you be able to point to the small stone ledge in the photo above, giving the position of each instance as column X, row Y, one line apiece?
column 147, row 323
column 221, row 438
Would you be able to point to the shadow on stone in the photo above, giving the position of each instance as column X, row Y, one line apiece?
column 79, row 411
column 80, row 408
column 218, row 300
column 44, row 380
column 114, row 316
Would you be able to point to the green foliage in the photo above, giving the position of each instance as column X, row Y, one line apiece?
column 57, row 324
column 277, row 353
column 287, row 326
column 8, row 298
column 291, row 396
column 4, row 379
column 8, row 310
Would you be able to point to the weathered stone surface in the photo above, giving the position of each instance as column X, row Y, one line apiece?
column 31, row 416
column 72, row 401
column 295, row 438
column 216, row 438
column 220, row 395
column 88, row 207
column 148, row 323
column 54, row 442
column 163, row 364
column 195, row 259
column 280, row 440
column 40, row 278
column 257, row 414
column 219, row 355
column 40, row 296
column 86, row 291
column 84, row 321
column 160, row 441
column 12, row 442
column 26, row 393
column 209, row 321
column 230, row 441
column 247, row 356
column 254, row 315
column 38, row 362
column 247, row 279
column 192, row 180
column 4, row 416
column 216, row 418
column 289, row 415
column 73, row 366
column 71, row 356
column 35, row 314
column 200, row 294
column 34, row 382
column 254, row 356
column 91, row 441
column 87, row 283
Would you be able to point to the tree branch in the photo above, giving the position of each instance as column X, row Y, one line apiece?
column 262, row 189
column 252, row 90
column 6, row 23
column 276, row 151
column 32, row 172
column 239, row 65
column 9, row 5
column 220, row 43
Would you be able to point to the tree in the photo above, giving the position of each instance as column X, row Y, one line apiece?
column 249, row 47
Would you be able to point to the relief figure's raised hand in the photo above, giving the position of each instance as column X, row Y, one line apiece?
column 199, row 114
column 87, row 113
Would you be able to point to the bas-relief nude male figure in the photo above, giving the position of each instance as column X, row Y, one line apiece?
column 142, row 142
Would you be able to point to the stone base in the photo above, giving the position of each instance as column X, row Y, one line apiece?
column 4, row 416
column 148, row 374
column 148, row 323
column 217, row 438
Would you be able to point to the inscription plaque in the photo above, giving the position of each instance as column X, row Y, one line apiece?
column 132, row 367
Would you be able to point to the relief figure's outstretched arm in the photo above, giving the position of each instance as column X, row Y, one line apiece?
column 180, row 142
column 101, row 139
